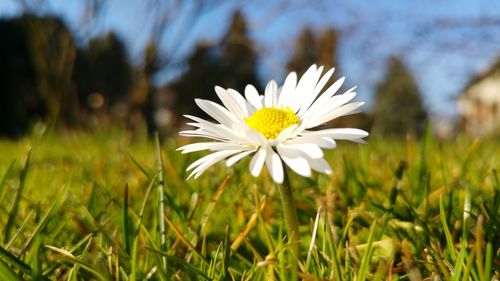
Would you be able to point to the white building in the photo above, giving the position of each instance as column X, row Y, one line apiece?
column 479, row 103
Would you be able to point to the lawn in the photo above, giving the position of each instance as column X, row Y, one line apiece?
column 81, row 206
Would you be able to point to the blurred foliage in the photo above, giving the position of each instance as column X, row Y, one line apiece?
column 17, row 81
column 309, row 50
column 322, row 50
column 46, row 77
column 53, row 54
column 103, row 68
column 231, row 64
column 38, row 55
column 398, row 105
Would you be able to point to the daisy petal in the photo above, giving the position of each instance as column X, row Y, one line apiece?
column 318, row 111
column 297, row 163
column 253, row 137
column 211, row 158
column 208, row 163
column 288, row 89
column 271, row 94
column 201, row 134
column 341, row 133
column 310, row 149
column 219, row 113
column 304, row 88
column 257, row 162
column 320, row 165
column 253, row 97
column 317, row 164
column 236, row 158
column 330, row 91
column 218, row 130
column 337, row 101
column 317, row 89
column 323, row 142
column 213, row 146
column 231, row 102
column 287, row 133
column 274, row 165
column 245, row 106
column 344, row 110
column 204, row 166
column 196, row 147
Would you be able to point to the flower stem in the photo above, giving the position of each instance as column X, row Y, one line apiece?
column 290, row 214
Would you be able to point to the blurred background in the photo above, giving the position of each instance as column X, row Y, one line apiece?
column 139, row 64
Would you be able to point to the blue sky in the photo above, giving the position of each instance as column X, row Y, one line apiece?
column 444, row 42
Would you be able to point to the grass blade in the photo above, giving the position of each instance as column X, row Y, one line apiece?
column 446, row 230
column 136, row 163
column 457, row 268
column 6, row 273
column 335, row 250
column 14, row 261
column 133, row 259
column 126, row 222
column 68, row 257
column 3, row 182
column 161, row 202
column 367, row 255
column 227, row 256
column 183, row 239
column 39, row 227
column 19, row 230
column 211, row 205
column 488, row 261
column 313, row 238
column 17, row 198
column 186, row 266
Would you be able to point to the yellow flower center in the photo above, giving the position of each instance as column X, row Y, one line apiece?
column 271, row 121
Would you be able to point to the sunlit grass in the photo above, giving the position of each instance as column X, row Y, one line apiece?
column 87, row 208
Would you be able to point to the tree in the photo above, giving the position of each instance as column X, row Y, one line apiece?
column 304, row 54
column 205, row 68
column 103, row 69
column 53, row 52
column 322, row 50
column 398, row 104
column 38, row 57
column 231, row 64
column 327, row 48
column 238, row 55
column 310, row 49
column 18, row 101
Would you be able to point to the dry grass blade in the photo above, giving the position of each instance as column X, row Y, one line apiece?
column 211, row 205
column 69, row 257
column 313, row 238
column 252, row 222
column 183, row 239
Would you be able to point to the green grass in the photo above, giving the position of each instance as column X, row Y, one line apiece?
column 80, row 206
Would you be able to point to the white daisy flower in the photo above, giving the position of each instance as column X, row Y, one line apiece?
column 276, row 128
